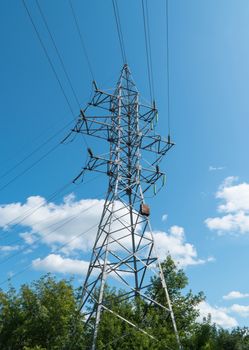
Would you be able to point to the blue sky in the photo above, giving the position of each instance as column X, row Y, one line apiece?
column 207, row 171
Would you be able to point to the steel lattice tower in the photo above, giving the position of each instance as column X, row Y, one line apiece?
column 124, row 248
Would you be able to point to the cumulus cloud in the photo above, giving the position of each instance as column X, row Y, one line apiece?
column 235, row 295
column 56, row 263
column 174, row 243
column 233, row 207
column 218, row 315
column 71, row 227
column 72, row 224
column 241, row 310
column 55, row 224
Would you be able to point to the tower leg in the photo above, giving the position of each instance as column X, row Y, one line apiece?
column 100, row 301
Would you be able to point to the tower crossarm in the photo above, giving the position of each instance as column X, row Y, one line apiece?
column 150, row 177
column 98, row 126
column 101, row 125
column 156, row 144
column 102, row 99
column 98, row 164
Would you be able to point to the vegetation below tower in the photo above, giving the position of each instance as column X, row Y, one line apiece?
column 44, row 315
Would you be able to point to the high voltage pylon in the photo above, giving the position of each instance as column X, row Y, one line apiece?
column 124, row 249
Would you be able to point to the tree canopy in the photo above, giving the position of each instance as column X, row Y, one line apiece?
column 44, row 315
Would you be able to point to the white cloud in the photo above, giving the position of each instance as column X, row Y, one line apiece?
column 175, row 243
column 72, row 223
column 229, row 223
column 164, row 217
column 55, row 224
column 62, row 225
column 56, row 263
column 8, row 248
column 241, row 310
column 233, row 206
column 218, row 315
column 235, row 295
column 215, row 168
column 235, row 198
column 228, row 181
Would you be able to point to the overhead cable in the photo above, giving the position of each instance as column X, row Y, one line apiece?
column 51, row 150
column 35, row 150
column 50, row 62
column 81, row 40
column 58, row 53
column 119, row 30
column 167, row 65
column 48, row 58
column 148, row 49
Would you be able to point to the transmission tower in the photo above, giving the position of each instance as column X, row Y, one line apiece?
column 124, row 249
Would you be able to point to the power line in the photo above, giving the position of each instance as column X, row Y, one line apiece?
column 148, row 51
column 119, row 30
column 58, row 53
column 34, row 151
column 149, row 45
column 50, row 62
column 26, row 145
column 47, row 56
column 62, row 63
column 167, row 66
column 30, row 167
column 81, row 40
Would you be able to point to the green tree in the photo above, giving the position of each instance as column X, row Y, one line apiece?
column 41, row 315
column 237, row 339
column 208, row 336
column 185, row 305
column 44, row 316
column 204, row 337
